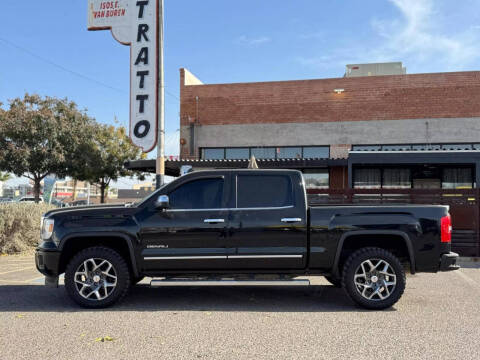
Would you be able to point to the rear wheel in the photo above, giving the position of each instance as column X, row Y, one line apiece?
column 374, row 278
column 97, row 277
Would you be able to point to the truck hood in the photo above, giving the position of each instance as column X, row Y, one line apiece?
column 92, row 210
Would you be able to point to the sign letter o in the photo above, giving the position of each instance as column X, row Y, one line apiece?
column 141, row 129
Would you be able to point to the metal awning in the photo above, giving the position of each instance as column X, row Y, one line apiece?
column 433, row 157
column 172, row 167
column 415, row 157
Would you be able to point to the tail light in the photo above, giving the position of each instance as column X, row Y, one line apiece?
column 446, row 229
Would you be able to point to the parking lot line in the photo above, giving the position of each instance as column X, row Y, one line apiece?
column 18, row 270
column 468, row 279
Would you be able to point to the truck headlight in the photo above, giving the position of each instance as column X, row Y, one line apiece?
column 47, row 229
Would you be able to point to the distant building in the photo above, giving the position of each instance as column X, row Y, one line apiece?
column 146, row 185
column 131, row 195
column 69, row 190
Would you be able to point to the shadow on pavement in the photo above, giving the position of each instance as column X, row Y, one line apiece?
column 315, row 298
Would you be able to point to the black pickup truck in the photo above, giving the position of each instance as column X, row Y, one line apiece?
column 238, row 227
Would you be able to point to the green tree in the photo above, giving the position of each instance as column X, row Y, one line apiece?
column 106, row 163
column 39, row 136
column 4, row 177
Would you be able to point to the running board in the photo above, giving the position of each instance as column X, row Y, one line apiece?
column 159, row 283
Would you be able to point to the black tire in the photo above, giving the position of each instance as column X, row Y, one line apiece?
column 120, row 269
column 386, row 297
column 337, row 282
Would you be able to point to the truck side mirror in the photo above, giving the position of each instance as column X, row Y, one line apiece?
column 163, row 202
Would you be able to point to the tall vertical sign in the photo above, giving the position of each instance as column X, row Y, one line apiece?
column 136, row 23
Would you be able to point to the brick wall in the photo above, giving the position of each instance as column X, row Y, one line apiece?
column 439, row 95
column 340, row 151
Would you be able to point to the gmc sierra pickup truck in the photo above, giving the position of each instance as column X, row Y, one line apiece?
column 241, row 227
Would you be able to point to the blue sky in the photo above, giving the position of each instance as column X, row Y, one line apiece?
column 228, row 41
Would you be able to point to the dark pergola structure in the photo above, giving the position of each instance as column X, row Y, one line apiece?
column 172, row 167
column 436, row 157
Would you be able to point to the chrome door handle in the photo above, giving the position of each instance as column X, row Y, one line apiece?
column 214, row 221
column 291, row 220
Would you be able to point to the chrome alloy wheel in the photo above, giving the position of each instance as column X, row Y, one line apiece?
column 95, row 279
column 375, row 279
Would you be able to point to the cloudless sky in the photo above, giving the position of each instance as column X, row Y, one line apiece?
column 45, row 47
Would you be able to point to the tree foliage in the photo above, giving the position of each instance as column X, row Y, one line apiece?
column 40, row 136
column 43, row 136
column 4, row 177
column 111, row 149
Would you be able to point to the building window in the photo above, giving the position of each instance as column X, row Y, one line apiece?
column 457, row 147
column 416, row 147
column 316, row 152
column 396, row 147
column 286, row 152
column 426, row 147
column 213, row 154
column 366, row 147
column 289, row 153
column 316, row 179
column 263, row 153
column 457, row 178
column 237, row 153
column 396, row 179
column 367, row 178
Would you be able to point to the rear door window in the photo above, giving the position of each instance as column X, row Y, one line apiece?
column 264, row 191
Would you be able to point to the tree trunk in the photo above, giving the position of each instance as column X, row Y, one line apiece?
column 74, row 190
column 36, row 189
column 103, row 186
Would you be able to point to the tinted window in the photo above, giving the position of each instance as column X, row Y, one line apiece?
column 319, row 152
column 366, row 148
column 198, row 194
column 457, row 147
column 457, row 178
column 426, row 147
column 213, row 154
column 289, row 153
column 367, row 178
column 238, row 153
column 396, row 147
column 264, row 191
column 316, row 179
column 263, row 153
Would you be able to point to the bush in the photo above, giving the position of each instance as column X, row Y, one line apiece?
column 20, row 226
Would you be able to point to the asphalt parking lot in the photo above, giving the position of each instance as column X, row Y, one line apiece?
column 437, row 318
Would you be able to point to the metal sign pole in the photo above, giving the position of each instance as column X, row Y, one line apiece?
column 160, row 168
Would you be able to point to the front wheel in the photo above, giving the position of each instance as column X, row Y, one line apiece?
column 97, row 277
column 374, row 278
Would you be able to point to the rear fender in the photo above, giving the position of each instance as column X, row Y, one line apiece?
column 401, row 234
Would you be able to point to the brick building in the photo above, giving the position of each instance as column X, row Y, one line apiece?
column 331, row 119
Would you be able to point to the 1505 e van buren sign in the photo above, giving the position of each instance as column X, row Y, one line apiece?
column 135, row 23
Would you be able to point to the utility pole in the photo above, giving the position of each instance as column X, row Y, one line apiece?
column 160, row 165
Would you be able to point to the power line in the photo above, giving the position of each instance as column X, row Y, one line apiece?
column 63, row 68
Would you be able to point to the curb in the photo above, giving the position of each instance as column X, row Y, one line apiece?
column 469, row 262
